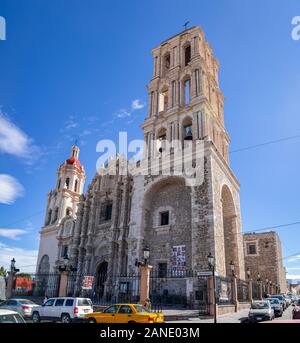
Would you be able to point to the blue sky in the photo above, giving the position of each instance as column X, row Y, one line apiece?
column 74, row 68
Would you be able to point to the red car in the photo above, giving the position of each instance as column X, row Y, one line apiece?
column 296, row 310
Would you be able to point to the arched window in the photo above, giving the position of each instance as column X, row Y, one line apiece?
column 44, row 265
column 55, row 216
column 68, row 211
column 187, row 55
column 187, row 91
column 187, row 129
column 67, row 182
column 163, row 100
column 173, row 93
column 197, row 85
column 76, row 186
column 166, row 63
column 49, row 215
column 161, row 138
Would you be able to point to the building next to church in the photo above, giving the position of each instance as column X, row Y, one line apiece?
column 105, row 230
column 264, row 260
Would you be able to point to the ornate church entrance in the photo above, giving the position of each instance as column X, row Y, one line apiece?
column 101, row 277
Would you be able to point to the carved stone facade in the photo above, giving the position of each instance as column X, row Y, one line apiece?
column 121, row 214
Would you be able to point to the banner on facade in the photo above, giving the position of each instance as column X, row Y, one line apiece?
column 23, row 285
column 178, row 258
column 87, row 282
column 225, row 291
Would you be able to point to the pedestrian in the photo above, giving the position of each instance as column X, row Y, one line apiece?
column 45, row 299
column 147, row 304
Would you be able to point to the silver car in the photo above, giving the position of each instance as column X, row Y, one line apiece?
column 22, row 306
column 260, row 310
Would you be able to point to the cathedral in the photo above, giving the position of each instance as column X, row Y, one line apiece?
column 105, row 230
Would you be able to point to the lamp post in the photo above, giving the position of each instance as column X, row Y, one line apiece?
column 232, row 266
column 211, row 264
column 12, row 265
column 146, row 255
column 11, row 278
column 144, row 269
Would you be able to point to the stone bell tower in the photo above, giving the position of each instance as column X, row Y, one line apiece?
column 186, row 104
column 62, row 204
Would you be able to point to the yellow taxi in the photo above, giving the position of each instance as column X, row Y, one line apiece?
column 125, row 313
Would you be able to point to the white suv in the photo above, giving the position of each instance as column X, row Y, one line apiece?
column 65, row 310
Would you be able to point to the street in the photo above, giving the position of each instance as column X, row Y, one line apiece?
column 237, row 317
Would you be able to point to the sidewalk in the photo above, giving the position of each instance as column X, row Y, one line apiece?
column 173, row 316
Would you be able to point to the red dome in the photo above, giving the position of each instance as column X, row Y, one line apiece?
column 73, row 160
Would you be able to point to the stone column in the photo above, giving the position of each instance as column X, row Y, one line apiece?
column 10, row 284
column 63, row 284
column 211, row 295
column 250, row 296
column 234, row 294
column 145, row 282
column 260, row 290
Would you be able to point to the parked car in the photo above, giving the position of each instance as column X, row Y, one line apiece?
column 125, row 313
column 276, row 306
column 260, row 310
column 65, row 310
column 288, row 300
column 281, row 298
column 8, row 316
column 22, row 306
column 296, row 310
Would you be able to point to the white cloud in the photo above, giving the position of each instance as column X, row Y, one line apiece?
column 294, row 258
column 137, row 104
column 123, row 113
column 70, row 124
column 293, row 276
column 15, row 142
column 12, row 233
column 293, row 268
column 10, row 189
column 25, row 259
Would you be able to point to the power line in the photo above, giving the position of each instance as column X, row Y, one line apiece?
column 264, row 144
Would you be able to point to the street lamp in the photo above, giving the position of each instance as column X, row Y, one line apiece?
column 12, row 264
column 13, row 268
column 66, row 260
column 248, row 273
column 211, row 264
column 146, row 255
column 232, row 268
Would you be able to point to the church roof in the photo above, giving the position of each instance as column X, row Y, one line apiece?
column 74, row 161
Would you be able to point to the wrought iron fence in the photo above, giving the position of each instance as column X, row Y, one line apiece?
column 37, row 285
column 224, row 290
column 168, row 288
column 242, row 290
column 179, row 288
column 255, row 290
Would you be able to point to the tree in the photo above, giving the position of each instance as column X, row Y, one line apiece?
column 3, row 271
column 25, row 275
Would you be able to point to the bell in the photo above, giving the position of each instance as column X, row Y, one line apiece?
column 188, row 136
